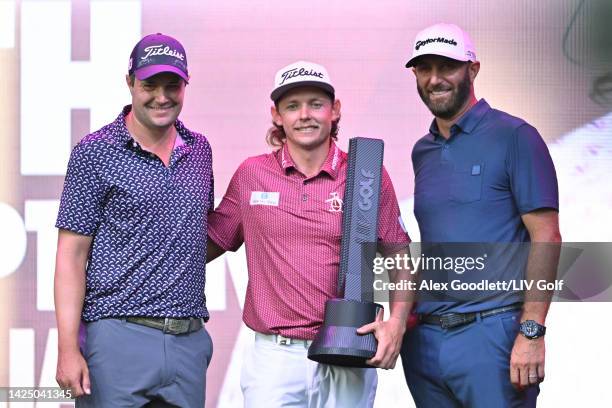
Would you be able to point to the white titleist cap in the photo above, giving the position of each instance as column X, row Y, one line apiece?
column 447, row 40
column 301, row 73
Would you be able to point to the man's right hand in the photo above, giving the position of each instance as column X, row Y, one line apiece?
column 72, row 373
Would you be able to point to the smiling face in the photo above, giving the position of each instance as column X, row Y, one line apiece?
column 445, row 85
column 306, row 115
column 157, row 100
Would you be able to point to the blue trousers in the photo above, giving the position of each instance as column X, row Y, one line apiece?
column 467, row 366
column 131, row 365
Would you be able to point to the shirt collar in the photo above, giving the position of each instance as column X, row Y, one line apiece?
column 122, row 136
column 284, row 158
column 330, row 166
column 468, row 121
column 333, row 161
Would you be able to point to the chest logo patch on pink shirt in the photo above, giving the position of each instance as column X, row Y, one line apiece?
column 335, row 202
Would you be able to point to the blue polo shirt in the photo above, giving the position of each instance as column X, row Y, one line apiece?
column 148, row 222
column 474, row 187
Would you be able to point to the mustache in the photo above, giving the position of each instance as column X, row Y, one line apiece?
column 310, row 123
column 169, row 104
column 440, row 88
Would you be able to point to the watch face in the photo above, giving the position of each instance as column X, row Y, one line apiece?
column 530, row 328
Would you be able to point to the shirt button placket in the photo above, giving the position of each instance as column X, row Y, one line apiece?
column 303, row 196
column 446, row 156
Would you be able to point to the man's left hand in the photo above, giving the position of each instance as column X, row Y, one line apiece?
column 527, row 362
column 389, row 335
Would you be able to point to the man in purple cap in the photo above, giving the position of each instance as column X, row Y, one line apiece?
column 131, row 250
column 481, row 176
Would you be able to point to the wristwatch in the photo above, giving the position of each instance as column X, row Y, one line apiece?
column 532, row 329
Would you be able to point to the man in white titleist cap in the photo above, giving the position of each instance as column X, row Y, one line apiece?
column 481, row 176
column 286, row 207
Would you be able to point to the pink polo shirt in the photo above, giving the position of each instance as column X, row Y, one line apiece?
column 292, row 229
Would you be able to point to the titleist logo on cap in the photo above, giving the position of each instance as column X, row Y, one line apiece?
column 161, row 50
column 292, row 73
column 419, row 44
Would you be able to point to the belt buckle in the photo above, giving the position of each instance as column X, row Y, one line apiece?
column 175, row 326
column 282, row 341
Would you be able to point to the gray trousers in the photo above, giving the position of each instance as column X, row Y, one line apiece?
column 131, row 365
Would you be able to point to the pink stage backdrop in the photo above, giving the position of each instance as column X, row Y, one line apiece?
column 62, row 67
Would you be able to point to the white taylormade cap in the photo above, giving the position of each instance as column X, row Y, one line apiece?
column 447, row 40
column 301, row 73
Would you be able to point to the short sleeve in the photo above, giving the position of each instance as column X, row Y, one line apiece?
column 82, row 200
column 225, row 223
column 533, row 179
column 211, row 191
column 390, row 225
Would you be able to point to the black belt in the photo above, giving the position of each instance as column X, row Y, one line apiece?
column 450, row 320
column 167, row 325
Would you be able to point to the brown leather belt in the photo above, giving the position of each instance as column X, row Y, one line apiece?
column 167, row 325
column 450, row 320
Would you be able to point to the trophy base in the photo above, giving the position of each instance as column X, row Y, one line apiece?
column 337, row 342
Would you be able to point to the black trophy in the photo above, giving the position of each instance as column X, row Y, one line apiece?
column 337, row 342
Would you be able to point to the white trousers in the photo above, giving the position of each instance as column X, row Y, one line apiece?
column 275, row 375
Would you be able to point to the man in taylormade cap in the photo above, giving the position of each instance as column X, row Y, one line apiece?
column 286, row 207
column 446, row 40
column 132, row 244
column 482, row 176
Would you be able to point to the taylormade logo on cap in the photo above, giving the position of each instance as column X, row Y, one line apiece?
column 301, row 73
column 431, row 40
column 447, row 40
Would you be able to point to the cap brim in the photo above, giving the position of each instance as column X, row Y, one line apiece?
column 442, row 54
column 280, row 91
column 148, row 72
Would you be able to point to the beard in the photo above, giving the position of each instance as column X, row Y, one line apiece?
column 449, row 108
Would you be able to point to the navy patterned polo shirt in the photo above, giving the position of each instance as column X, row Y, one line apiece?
column 148, row 223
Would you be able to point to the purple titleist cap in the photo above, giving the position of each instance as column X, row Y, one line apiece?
column 157, row 53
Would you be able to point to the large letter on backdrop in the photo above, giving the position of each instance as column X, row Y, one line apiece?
column 52, row 84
